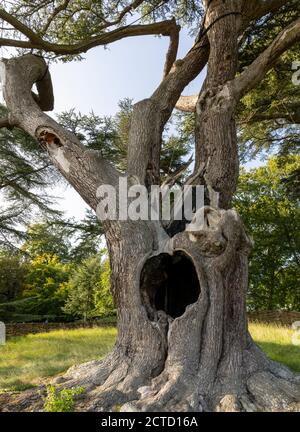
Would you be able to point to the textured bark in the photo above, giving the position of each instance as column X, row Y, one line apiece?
column 183, row 342
column 216, row 143
column 202, row 360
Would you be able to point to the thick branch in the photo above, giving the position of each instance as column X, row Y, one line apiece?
column 254, row 73
column 258, row 8
column 187, row 103
column 165, row 28
column 150, row 115
column 290, row 115
column 45, row 96
column 251, row 11
column 173, row 48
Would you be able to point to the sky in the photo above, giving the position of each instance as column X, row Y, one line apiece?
column 131, row 68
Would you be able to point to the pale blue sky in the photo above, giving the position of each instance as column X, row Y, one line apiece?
column 131, row 68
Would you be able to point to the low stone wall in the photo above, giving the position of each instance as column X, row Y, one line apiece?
column 21, row 329
column 275, row 317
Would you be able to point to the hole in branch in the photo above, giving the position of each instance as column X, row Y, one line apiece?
column 169, row 283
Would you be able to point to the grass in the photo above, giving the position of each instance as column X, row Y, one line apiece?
column 276, row 342
column 28, row 360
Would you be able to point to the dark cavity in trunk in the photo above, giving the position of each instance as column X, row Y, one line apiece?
column 169, row 283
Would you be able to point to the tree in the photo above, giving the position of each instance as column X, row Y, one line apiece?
column 272, row 218
column 183, row 342
column 88, row 290
column 12, row 272
column 43, row 238
column 45, row 285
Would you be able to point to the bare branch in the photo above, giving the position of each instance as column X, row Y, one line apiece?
column 187, row 103
column 130, row 7
column 56, row 11
column 254, row 73
column 173, row 48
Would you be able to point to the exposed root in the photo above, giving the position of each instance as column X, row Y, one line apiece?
column 119, row 383
column 202, row 360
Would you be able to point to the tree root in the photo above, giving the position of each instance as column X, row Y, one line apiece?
column 117, row 383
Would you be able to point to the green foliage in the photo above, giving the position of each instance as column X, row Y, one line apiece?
column 45, row 283
column 25, row 172
column 61, row 400
column 109, row 135
column 89, row 289
column 268, row 116
column 83, row 20
column 12, row 273
column 104, row 304
column 51, row 272
column 272, row 218
column 86, row 237
column 47, row 239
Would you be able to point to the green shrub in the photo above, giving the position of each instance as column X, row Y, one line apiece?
column 61, row 400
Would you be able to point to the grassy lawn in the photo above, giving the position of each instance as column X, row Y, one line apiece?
column 25, row 361
column 276, row 342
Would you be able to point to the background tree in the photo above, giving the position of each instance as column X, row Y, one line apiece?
column 25, row 173
column 46, row 239
column 45, row 285
column 272, row 217
column 88, row 290
column 12, row 272
column 183, row 342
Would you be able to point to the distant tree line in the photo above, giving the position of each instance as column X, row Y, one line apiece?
column 51, row 280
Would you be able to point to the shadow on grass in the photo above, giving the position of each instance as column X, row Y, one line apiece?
column 289, row 355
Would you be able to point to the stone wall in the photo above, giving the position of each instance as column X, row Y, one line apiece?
column 21, row 329
column 275, row 317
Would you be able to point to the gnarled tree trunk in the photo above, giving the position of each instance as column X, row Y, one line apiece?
column 183, row 342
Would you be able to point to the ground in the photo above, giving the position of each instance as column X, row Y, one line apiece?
column 29, row 360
